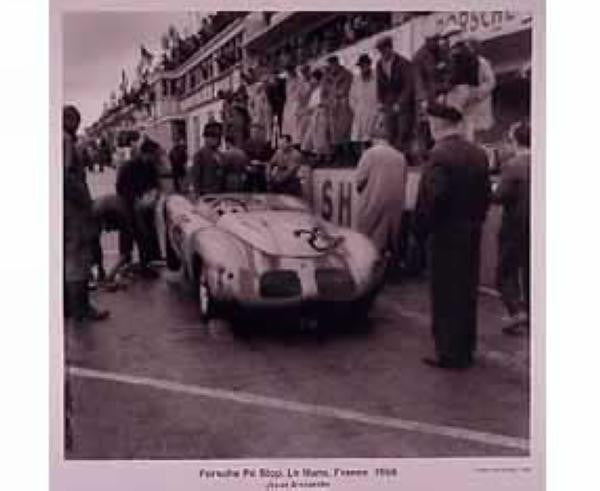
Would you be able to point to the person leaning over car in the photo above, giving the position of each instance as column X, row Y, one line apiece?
column 207, row 173
column 112, row 214
column 138, row 186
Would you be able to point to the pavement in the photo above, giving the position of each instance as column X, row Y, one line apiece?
column 154, row 382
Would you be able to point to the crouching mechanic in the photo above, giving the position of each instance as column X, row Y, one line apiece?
column 113, row 215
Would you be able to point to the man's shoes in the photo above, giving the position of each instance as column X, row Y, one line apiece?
column 447, row 364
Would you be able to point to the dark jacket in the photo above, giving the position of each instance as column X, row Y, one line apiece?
column 136, row 177
column 112, row 214
column 455, row 186
column 207, row 172
column 429, row 67
column 79, row 225
column 513, row 193
column 178, row 157
column 235, row 162
column 258, row 150
column 399, row 87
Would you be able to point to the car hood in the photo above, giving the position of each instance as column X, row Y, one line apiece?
column 282, row 233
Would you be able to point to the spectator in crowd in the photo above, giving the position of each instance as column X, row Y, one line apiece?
column 113, row 215
column 259, row 151
column 456, row 91
column 207, row 172
column 431, row 64
column 396, row 93
column 178, row 157
column 151, row 148
column 79, row 227
column 284, row 168
column 513, row 240
column 302, row 98
column 480, row 115
column 275, row 91
column 138, row 186
column 317, row 139
column 363, row 101
column 290, row 111
column 259, row 107
column 452, row 204
column 105, row 155
column 236, row 116
column 257, row 147
column 337, row 84
column 235, row 163
column 380, row 183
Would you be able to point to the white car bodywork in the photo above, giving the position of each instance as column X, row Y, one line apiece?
column 268, row 250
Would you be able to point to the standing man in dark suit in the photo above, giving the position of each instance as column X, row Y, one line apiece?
column 452, row 205
column 207, row 172
column 79, row 227
column 396, row 93
column 178, row 157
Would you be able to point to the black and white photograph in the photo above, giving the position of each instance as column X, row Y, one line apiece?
column 296, row 234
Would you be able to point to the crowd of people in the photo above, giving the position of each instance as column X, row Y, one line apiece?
column 338, row 32
column 181, row 49
column 328, row 110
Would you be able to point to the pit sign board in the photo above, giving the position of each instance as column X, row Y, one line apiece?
column 336, row 199
column 481, row 25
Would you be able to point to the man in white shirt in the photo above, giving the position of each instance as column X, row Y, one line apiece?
column 363, row 101
column 479, row 114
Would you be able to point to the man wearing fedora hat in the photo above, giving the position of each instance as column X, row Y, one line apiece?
column 207, row 169
column 451, row 207
column 363, row 101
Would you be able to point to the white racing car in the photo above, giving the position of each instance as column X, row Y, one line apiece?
column 250, row 253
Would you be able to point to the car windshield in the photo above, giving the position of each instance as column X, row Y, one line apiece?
column 252, row 202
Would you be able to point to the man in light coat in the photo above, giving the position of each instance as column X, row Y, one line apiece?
column 363, row 101
column 479, row 114
column 380, row 182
